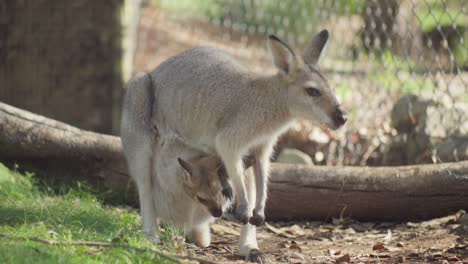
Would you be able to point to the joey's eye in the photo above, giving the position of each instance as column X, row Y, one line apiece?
column 312, row 91
column 201, row 200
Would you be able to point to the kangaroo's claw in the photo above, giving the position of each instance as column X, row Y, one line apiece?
column 257, row 218
column 255, row 256
column 227, row 193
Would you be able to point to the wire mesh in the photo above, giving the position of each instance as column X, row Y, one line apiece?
column 379, row 51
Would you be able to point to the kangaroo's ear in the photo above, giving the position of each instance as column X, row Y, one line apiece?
column 282, row 54
column 312, row 52
column 188, row 171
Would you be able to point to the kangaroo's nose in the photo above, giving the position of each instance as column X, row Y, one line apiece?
column 216, row 212
column 339, row 117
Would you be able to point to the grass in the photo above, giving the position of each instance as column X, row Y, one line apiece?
column 28, row 210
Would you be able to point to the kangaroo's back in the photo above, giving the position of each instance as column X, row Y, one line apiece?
column 194, row 89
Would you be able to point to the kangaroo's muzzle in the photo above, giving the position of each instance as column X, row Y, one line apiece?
column 339, row 117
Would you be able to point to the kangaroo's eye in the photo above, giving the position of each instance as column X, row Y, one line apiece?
column 312, row 91
column 201, row 200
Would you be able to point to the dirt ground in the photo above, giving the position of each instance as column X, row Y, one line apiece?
column 443, row 240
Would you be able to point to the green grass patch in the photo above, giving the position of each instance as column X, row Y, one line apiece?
column 27, row 210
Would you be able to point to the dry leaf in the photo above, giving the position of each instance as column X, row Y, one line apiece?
column 294, row 230
column 388, row 237
column 379, row 246
column 380, row 255
column 224, row 230
column 283, row 245
column 297, row 255
column 333, row 252
column 288, row 232
column 295, row 247
column 343, row 259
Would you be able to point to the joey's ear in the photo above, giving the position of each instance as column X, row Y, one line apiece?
column 188, row 170
column 312, row 52
column 282, row 54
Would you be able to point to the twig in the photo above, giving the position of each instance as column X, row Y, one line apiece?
column 336, row 202
column 368, row 153
column 175, row 258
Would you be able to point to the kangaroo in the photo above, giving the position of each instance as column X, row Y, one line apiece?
column 216, row 104
column 189, row 193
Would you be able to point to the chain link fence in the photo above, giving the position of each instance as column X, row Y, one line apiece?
column 399, row 66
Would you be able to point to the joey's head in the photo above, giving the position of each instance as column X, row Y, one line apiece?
column 308, row 94
column 202, row 183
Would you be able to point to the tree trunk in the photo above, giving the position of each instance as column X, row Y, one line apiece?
column 58, row 56
column 67, row 154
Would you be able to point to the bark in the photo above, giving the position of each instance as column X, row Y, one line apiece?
column 296, row 192
column 63, row 153
column 59, row 56
column 367, row 193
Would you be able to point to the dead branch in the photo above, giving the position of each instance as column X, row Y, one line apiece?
column 66, row 153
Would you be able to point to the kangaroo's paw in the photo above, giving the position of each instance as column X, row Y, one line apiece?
column 258, row 218
column 242, row 213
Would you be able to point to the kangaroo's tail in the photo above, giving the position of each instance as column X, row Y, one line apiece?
column 139, row 101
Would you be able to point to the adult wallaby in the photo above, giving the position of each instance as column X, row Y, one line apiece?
column 216, row 104
column 176, row 184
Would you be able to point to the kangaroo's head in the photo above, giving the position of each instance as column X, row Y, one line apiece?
column 202, row 183
column 308, row 94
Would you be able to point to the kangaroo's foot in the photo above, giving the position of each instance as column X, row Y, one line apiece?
column 243, row 213
column 258, row 218
column 201, row 236
column 255, row 256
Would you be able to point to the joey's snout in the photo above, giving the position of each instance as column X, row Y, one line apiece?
column 339, row 117
column 216, row 212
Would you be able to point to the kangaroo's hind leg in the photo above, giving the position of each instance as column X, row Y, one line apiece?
column 248, row 246
column 140, row 167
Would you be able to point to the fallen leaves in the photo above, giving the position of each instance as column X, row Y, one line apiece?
column 343, row 259
column 354, row 242
column 293, row 231
column 379, row 246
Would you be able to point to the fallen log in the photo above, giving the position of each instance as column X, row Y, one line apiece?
column 68, row 154
column 63, row 153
